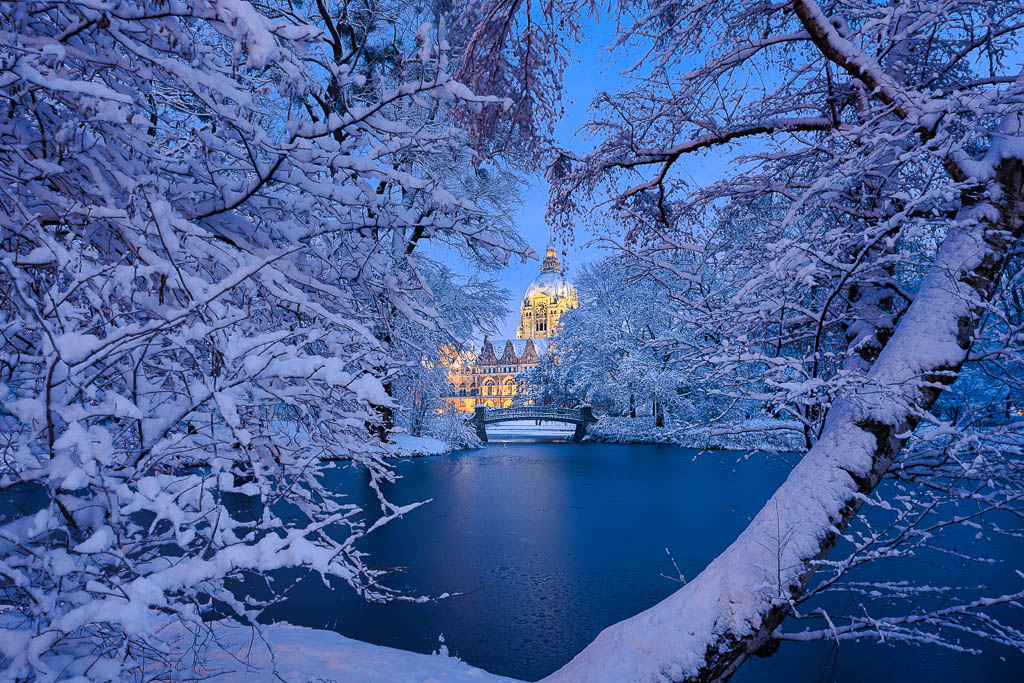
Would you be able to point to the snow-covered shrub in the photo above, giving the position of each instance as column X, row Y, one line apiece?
column 453, row 428
column 640, row 429
column 748, row 435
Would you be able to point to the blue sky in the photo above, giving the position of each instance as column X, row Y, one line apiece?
column 591, row 69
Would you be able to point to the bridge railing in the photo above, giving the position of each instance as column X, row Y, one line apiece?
column 572, row 415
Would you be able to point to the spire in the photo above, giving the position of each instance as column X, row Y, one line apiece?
column 551, row 264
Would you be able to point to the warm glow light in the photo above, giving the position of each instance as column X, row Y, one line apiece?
column 492, row 382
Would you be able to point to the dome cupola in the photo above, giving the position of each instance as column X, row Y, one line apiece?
column 547, row 297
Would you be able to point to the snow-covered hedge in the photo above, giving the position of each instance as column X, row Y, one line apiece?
column 755, row 434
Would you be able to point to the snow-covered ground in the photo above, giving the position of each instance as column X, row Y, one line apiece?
column 408, row 446
column 302, row 655
column 754, row 434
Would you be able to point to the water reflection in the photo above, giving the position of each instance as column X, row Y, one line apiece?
column 548, row 543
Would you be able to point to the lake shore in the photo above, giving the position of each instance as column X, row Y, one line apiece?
column 756, row 434
column 751, row 435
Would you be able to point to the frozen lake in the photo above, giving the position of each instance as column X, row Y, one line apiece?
column 548, row 543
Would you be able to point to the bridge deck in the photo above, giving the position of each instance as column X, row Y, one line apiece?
column 547, row 414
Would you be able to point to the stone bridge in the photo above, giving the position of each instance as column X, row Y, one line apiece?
column 582, row 417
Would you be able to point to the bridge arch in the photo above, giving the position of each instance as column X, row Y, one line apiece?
column 582, row 417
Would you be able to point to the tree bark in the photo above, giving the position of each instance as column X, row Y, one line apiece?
column 707, row 629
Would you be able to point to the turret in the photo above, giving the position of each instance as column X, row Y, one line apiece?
column 551, row 263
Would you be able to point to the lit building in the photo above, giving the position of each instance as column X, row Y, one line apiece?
column 486, row 378
column 547, row 298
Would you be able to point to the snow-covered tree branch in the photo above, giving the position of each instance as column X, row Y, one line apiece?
column 846, row 271
column 207, row 220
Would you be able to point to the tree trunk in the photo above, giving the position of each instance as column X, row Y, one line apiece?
column 419, row 417
column 707, row 629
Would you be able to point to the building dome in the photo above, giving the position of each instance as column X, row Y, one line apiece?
column 551, row 285
column 547, row 298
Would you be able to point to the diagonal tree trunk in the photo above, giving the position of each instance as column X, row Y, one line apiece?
column 707, row 629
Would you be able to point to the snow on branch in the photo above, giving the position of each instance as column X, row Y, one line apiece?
column 208, row 217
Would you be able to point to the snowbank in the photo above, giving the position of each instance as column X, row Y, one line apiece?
column 404, row 445
column 408, row 446
column 304, row 654
column 759, row 434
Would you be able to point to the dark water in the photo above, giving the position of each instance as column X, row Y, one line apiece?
column 550, row 543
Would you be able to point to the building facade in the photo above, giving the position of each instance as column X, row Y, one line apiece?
column 486, row 378
column 547, row 298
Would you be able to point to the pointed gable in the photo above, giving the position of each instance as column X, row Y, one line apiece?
column 487, row 356
column 508, row 357
column 529, row 353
